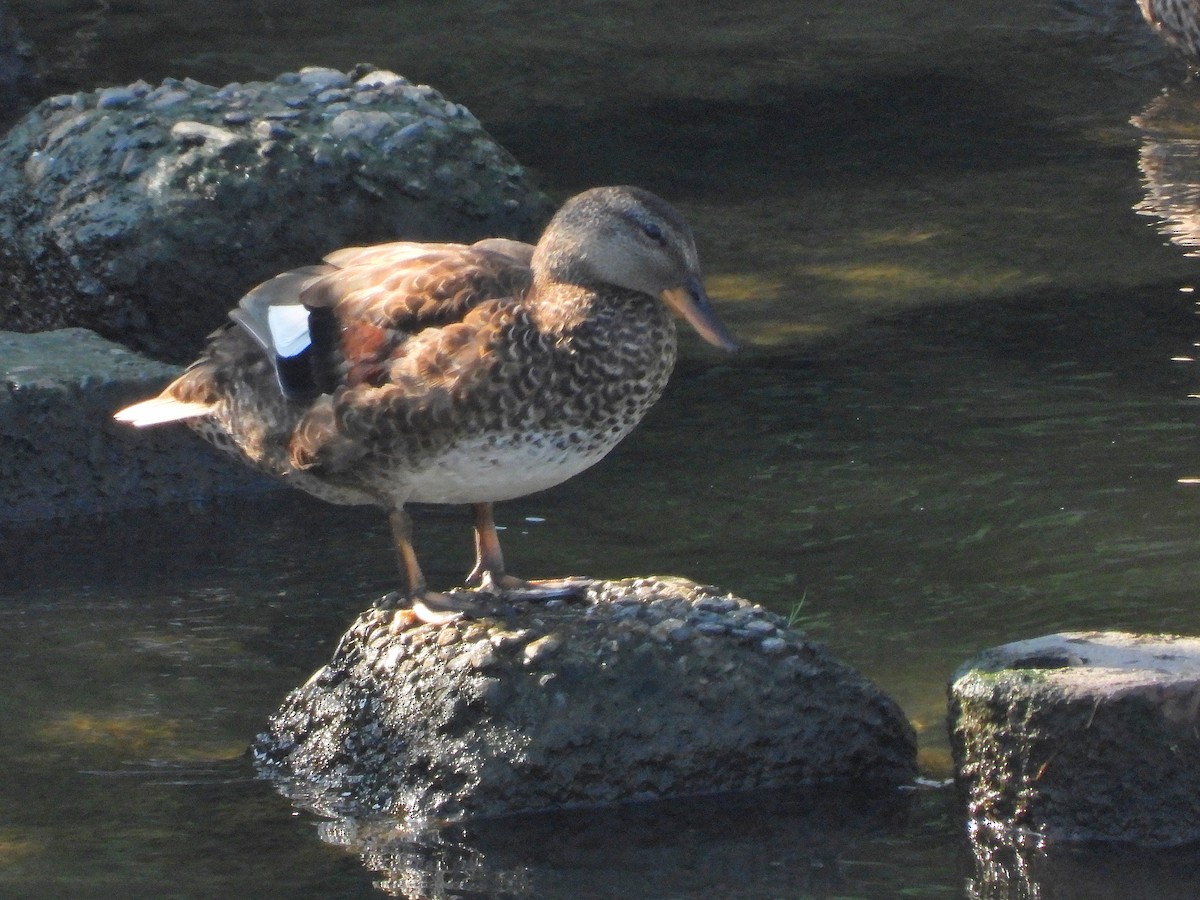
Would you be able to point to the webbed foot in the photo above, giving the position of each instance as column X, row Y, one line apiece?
column 434, row 608
column 509, row 587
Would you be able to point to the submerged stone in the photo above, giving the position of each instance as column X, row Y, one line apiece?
column 554, row 707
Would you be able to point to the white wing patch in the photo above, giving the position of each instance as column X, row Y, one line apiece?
column 289, row 329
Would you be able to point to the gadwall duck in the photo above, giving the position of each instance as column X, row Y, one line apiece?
column 447, row 373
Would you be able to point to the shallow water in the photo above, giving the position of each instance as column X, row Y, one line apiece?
column 962, row 421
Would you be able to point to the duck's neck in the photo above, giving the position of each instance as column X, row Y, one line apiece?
column 560, row 308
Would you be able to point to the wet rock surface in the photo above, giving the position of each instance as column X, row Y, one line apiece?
column 62, row 453
column 644, row 689
column 143, row 212
column 1088, row 736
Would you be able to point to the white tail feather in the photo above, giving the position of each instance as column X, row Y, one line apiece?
column 160, row 410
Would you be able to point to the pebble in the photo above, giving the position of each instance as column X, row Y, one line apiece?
column 365, row 125
column 672, row 630
column 333, row 95
column 717, row 604
column 273, row 131
column 542, row 649
column 474, row 633
column 380, row 78
column 482, row 656
column 168, row 98
column 198, row 133
column 117, row 98
column 320, row 79
column 773, row 646
column 391, row 658
column 504, row 640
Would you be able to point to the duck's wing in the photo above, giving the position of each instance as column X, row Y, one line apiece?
column 366, row 315
column 412, row 332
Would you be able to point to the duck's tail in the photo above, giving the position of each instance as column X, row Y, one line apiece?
column 161, row 410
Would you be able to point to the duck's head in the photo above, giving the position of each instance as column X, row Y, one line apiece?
column 633, row 239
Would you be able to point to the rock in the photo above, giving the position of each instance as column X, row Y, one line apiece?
column 568, row 706
column 63, row 455
column 144, row 213
column 1082, row 736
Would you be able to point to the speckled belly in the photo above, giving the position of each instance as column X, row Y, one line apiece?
column 501, row 468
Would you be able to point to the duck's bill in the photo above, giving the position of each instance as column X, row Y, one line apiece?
column 692, row 304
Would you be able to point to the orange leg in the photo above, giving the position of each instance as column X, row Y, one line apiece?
column 489, row 572
column 489, row 559
column 430, row 606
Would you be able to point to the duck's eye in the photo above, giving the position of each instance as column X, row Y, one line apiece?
column 653, row 232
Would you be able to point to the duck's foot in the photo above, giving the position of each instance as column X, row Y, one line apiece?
column 511, row 588
column 434, row 608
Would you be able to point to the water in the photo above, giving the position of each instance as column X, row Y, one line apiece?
column 962, row 421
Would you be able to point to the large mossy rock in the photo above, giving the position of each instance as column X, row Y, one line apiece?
column 645, row 689
column 144, row 213
column 1082, row 736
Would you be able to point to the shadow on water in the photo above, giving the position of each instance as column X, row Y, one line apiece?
column 887, row 125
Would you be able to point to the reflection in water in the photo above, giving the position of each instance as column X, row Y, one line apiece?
column 1170, row 163
column 424, row 865
column 1023, row 866
column 798, row 843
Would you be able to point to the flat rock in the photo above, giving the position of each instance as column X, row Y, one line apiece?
column 1082, row 736
column 577, row 704
column 144, row 212
column 62, row 453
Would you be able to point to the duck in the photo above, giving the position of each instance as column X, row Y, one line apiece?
column 1177, row 22
column 445, row 373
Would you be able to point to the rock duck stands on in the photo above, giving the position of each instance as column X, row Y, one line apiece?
column 447, row 373
column 138, row 211
column 643, row 689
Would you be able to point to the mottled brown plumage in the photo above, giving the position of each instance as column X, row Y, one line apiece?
column 1177, row 22
column 446, row 373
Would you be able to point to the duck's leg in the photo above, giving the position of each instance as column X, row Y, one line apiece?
column 490, row 575
column 430, row 606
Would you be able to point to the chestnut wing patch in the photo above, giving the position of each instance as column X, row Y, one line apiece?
column 417, row 342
